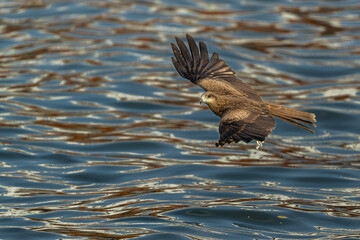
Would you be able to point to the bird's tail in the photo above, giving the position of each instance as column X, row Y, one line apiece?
column 296, row 117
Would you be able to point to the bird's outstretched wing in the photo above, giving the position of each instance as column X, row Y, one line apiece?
column 245, row 125
column 212, row 75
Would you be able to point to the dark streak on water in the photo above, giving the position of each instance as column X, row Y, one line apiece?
column 101, row 139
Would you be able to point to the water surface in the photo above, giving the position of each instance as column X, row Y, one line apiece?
column 101, row 139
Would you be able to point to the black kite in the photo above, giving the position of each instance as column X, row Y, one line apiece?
column 244, row 115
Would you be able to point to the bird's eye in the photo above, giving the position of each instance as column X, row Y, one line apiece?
column 209, row 96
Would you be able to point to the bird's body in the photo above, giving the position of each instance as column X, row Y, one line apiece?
column 244, row 115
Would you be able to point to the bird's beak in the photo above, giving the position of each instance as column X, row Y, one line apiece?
column 201, row 100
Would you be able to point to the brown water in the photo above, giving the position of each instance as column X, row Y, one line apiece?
column 101, row 139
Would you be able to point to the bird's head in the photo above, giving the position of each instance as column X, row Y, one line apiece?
column 208, row 97
column 213, row 102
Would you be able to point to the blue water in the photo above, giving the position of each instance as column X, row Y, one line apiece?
column 102, row 139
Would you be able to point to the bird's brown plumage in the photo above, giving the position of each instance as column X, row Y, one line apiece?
column 244, row 115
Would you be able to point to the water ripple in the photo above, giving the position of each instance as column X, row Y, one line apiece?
column 102, row 139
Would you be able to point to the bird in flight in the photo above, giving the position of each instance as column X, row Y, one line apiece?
column 244, row 115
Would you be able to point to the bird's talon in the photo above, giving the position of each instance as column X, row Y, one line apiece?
column 259, row 144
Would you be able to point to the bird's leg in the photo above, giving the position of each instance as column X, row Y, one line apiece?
column 259, row 144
